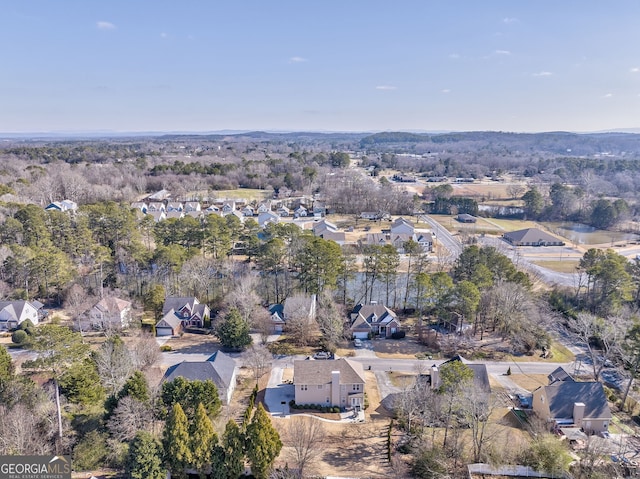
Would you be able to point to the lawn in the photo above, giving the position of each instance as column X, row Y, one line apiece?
column 243, row 193
column 566, row 266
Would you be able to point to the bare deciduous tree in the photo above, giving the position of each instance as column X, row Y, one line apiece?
column 259, row 360
column 305, row 436
column 115, row 364
column 129, row 417
column 145, row 351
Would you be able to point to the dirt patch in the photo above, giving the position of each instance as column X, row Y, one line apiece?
column 195, row 343
column 405, row 348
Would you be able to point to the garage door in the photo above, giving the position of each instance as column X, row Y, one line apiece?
column 164, row 331
column 360, row 335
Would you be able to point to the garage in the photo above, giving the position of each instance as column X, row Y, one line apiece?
column 360, row 335
column 164, row 331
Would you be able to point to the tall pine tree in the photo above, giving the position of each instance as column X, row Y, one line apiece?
column 175, row 439
column 145, row 458
column 263, row 443
column 203, row 440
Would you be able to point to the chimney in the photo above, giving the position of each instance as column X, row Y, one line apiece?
column 435, row 377
column 335, row 388
column 578, row 413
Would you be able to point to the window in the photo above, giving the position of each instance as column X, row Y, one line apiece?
column 303, row 387
column 356, row 387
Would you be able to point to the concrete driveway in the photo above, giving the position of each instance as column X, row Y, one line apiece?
column 277, row 395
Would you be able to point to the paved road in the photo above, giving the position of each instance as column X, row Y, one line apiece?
column 444, row 238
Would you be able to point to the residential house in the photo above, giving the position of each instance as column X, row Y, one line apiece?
column 219, row 368
column 424, row 239
column 228, row 207
column 466, row 218
column 283, row 212
column 155, row 207
column 174, row 206
column 573, row 404
column 212, row 209
column 264, row 207
column 111, row 312
column 191, row 206
column 276, row 312
column 64, row 205
column 247, row 211
column 13, row 313
column 338, row 382
column 159, row 196
column 370, row 215
column 402, row 226
column 372, row 319
column 140, row 205
column 174, row 214
column 531, row 237
column 481, row 381
column 157, row 215
column 269, row 217
column 296, row 306
column 300, row 212
column 179, row 313
column 329, row 231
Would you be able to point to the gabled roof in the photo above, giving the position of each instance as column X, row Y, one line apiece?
column 177, row 303
column 562, row 395
column 559, row 374
column 372, row 313
column 16, row 308
column 480, row 374
column 531, row 235
column 219, row 368
column 170, row 319
column 401, row 222
column 112, row 304
column 314, row 372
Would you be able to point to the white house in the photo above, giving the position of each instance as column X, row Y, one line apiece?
column 13, row 313
column 109, row 312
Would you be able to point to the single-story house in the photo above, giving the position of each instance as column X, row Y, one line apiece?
column 267, row 217
column 466, row 218
column 219, row 368
column 531, row 237
column 13, row 313
column 568, row 403
column 373, row 319
column 111, row 311
column 481, row 381
column 334, row 382
column 64, row 205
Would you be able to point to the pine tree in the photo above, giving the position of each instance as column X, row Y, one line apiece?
column 233, row 444
column 136, row 387
column 176, row 442
column 233, row 331
column 263, row 443
column 203, row 440
column 145, row 458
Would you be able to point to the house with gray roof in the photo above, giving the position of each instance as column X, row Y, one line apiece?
column 169, row 325
column 333, row 382
column 531, row 237
column 480, row 375
column 219, row 368
column 13, row 313
column 573, row 404
column 372, row 319
column 179, row 313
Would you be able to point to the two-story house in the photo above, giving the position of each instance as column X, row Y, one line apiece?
column 338, row 382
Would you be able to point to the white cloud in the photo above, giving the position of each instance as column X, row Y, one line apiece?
column 634, row 70
column 102, row 25
column 508, row 20
column 386, row 87
column 446, row 90
column 542, row 74
column 608, row 95
column 502, row 52
column 297, row 60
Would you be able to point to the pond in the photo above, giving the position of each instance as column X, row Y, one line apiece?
column 584, row 234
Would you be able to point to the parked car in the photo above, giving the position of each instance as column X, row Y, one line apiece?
column 322, row 355
column 357, row 343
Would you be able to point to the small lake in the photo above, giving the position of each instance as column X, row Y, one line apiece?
column 584, row 234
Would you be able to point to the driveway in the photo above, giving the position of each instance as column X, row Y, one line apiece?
column 278, row 395
column 366, row 350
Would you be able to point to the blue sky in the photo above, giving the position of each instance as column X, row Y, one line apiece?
column 347, row 65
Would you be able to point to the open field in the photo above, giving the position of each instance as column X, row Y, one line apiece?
column 565, row 266
column 529, row 381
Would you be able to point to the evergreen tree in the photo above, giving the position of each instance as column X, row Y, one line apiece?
column 191, row 393
column 263, row 443
column 233, row 448
column 81, row 383
column 233, row 331
column 136, row 387
column 176, row 443
column 6, row 365
column 145, row 458
column 203, row 440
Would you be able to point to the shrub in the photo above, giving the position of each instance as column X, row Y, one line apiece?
column 398, row 335
column 91, row 452
column 26, row 324
column 165, row 348
column 19, row 336
column 335, row 409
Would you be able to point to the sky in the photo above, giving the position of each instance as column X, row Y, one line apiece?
column 330, row 65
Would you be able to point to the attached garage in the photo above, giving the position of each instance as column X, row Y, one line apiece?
column 360, row 334
column 160, row 331
column 169, row 325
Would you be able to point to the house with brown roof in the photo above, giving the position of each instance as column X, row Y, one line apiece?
column 337, row 382
column 368, row 320
column 111, row 312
